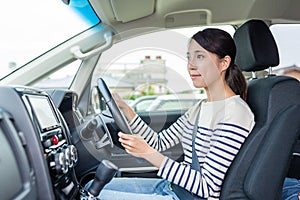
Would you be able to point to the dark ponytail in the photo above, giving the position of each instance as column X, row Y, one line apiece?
column 236, row 81
column 221, row 43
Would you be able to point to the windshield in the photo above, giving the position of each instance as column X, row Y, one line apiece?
column 28, row 31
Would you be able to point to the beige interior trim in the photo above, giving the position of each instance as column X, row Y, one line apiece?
column 188, row 18
column 130, row 10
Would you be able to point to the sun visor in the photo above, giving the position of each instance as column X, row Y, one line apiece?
column 129, row 10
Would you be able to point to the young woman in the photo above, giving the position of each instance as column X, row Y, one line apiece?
column 224, row 123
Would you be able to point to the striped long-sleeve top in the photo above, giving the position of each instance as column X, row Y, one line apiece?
column 222, row 128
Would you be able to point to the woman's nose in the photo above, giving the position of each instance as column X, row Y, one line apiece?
column 191, row 65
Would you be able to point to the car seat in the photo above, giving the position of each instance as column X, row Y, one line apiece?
column 259, row 169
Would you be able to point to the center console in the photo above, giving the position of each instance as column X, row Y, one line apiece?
column 60, row 155
column 45, row 138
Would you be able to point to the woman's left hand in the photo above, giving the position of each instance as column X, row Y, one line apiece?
column 135, row 145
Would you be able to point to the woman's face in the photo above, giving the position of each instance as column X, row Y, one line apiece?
column 203, row 66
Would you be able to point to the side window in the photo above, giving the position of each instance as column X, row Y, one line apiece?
column 144, row 68
column 61, row 78
column 287, row 39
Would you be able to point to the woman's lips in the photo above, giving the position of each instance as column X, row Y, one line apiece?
column 194, row 76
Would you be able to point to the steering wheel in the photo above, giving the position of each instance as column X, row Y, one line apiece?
column 118, row 116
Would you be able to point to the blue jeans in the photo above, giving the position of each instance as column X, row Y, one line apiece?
column 291, row 189
column 137, row 189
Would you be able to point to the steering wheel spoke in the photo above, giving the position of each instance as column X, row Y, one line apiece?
column 103, row 142
column 107, row 133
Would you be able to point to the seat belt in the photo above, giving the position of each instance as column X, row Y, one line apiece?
column 182, row 193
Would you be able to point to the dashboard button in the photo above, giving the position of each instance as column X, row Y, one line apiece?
column 55, row 139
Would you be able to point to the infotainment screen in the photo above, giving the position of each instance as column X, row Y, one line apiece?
column 44, row 112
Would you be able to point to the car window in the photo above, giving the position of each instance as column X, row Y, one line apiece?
column 287, row 39
column 61, row 78
column 35, row 30
column 152, row 64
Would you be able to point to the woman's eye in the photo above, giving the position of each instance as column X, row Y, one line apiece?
column 188, row 57
column 199, row 56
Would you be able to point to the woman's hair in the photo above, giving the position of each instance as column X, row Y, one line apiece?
column 221, row 43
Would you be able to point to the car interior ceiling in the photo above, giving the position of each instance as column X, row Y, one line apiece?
column 118, row 14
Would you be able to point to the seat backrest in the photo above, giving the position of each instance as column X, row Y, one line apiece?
column 259, row 169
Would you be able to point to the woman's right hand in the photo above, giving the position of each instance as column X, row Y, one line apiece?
column 124, row 107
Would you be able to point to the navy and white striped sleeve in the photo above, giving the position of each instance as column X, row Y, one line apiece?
column 159, row 140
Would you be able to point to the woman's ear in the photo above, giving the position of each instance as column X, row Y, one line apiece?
column 225, row 62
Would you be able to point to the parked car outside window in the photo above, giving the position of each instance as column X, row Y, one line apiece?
column 142, row 103
column 175, row 102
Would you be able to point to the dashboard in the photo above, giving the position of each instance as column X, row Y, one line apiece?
column 35, row 146
column 50, row 151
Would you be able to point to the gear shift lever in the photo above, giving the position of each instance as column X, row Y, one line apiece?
column 105, row 172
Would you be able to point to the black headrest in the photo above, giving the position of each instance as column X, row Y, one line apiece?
column 256, row 46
